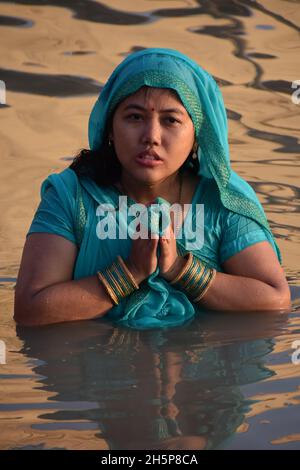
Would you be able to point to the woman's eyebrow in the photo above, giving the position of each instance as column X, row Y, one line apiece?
column 141, row 108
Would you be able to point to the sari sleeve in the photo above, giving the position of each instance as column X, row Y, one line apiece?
column 55, row 213
column 238, row 232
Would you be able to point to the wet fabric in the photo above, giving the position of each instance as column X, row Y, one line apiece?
column 233, row 217
column 225, row 234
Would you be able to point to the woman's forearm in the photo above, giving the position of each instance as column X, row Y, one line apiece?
column 230, row 292
column 81, row 299
column 86, row 298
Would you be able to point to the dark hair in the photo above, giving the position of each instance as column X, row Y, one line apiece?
column 100, row 165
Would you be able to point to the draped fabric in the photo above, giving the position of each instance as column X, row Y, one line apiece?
column 233, row 216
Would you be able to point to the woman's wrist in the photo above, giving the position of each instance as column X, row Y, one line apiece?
column 118, row 280
column 191, row 276
column 137, row 276
column 175, row 269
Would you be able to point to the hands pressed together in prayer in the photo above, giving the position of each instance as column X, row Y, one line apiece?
column 143, row 260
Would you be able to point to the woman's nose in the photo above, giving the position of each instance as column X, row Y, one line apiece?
column 152, row 132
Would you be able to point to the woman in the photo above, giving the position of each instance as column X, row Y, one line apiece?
column 157, row 133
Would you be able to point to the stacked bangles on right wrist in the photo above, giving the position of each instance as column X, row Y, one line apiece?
column 195, row 278
column 117, row 280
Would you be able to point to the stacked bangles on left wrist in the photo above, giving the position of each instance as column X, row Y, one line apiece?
column 195, row 278
column 117, row 280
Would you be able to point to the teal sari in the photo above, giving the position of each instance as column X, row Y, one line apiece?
column 69, row 205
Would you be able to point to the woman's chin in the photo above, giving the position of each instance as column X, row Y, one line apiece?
column 147, row 175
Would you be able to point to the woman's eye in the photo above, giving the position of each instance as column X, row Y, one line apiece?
column 134, row 117
column 172, row 120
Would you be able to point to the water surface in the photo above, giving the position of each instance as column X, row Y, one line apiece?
column 222, row 381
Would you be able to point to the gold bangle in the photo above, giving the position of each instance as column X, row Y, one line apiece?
column 114, row 282
column 193, row 277
column 125, row 283
column 213, row 275
column 128, row 272
column 185, row 268
column 107, row 288
column 204, row 279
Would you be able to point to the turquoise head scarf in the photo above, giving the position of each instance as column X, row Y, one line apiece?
column 202, row 98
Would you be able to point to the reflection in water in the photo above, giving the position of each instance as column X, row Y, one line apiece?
column 289, row 144
column 90, row 10
column 172, row 389
column 233, row 32
column 259, row 55
column 221, row 9
column 236, row 28
column 13, row 21
column 215, row 8
column 78, row 52
column 293, row 161
column 280, row 197
column 283, row 86
column 48, row 85
column 258, row 6
column 34, row 64
column 264, row 26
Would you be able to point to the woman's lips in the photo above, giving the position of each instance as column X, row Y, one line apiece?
column 148, row 160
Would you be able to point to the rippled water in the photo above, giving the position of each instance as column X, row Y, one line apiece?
column 223, row 381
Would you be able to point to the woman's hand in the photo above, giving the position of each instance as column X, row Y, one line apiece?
column 142, row 260
column 170, row 263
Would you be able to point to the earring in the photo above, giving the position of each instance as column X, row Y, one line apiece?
column 195, row 150
column 109, row 143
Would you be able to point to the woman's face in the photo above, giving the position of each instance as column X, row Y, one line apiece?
column 152, row 123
